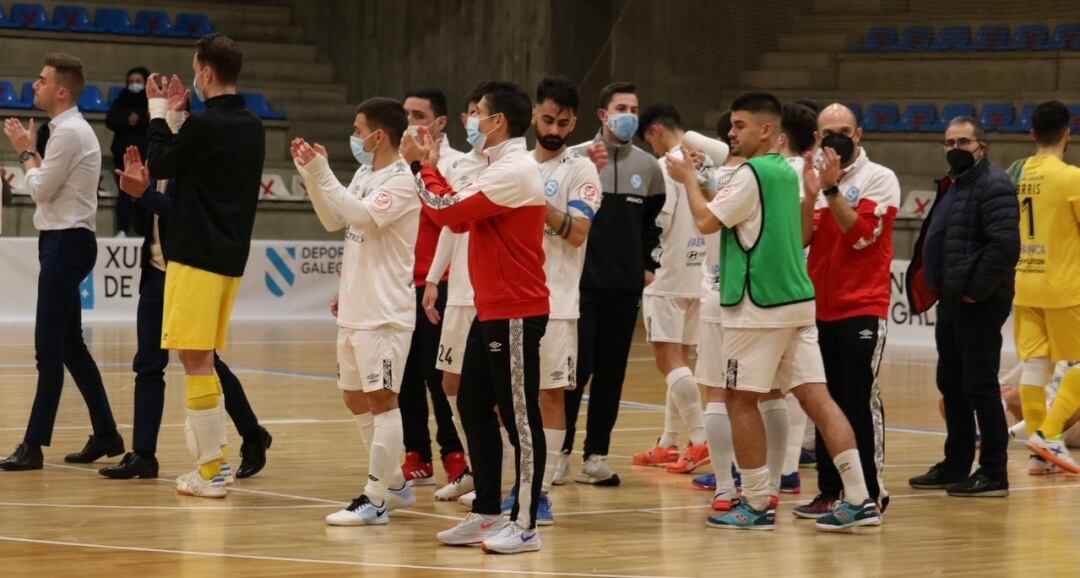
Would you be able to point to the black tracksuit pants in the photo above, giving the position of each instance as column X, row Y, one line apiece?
column 502, row 367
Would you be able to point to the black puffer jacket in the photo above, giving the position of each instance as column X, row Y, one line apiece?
column 982, row 239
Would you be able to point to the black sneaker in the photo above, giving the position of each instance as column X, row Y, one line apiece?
column 97, row 447
column 253, row 453
column 132, row 466
column 980, row 485
column 938, row 478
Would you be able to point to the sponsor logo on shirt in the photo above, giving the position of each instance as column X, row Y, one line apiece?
column 589, row 193
column 852, row 194
column 551, row 188
column 381, row 201
column 636, row 181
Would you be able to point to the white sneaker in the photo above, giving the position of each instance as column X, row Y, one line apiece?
column 467, row 499
column 474, row 529
column 561, row 469
column 227, row 474
column 595, row 471
column 360, row 513
column 193, row 484
column 455, row 489
column 1053, row 451
column 1040, row 467
column 513, row 539
column 402, row 497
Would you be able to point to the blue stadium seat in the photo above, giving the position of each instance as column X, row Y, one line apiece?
column 915, row 39
column 1031, row 37
column 951, row 38
column 114, row 21
column 114, row 92
column 256, row 102
column 878, row 39
column 193, row 25
column 31, row 16
column 1066, row 37
column 1074, row 113
column 916, row 117
column 4, row 21
column 1023, row 121
column 856, row 109
column 992, row 37
column 949, row 112
column 28, row 94
column 74, row 19
column 9, row 98
column 995, row 116
column 91, row 100
column 154, row 23
column 880, row 115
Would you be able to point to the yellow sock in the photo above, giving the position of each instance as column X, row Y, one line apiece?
column 202, row 394
column 1033, row 402
column 1065, row 405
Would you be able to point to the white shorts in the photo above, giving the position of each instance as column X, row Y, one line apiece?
column 671, row 319
column 710, row 355
column 372, row 360
column 761, row 359
column 558, row 355
column 456, row 322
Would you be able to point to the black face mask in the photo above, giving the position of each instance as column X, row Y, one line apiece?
column 960, row 160
column 551, row 142
column 842, row 144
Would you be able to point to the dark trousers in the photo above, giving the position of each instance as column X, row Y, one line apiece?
column 502, row 367
column 420, row 378
column 149, row 366
column 851, row 349
column 66, row 258
column 605, row 331
column 969, row 354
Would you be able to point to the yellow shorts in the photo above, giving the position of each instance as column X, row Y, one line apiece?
column 198, row 305
column 1053, row 333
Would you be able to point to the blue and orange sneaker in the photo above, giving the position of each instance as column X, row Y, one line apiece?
column 706, row 482
column 807, row 458
column 744, row 517
column 847, row 516
column 790, row 483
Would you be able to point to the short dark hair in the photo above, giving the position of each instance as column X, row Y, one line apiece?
column 222, row 55
column 757, row 103
column 557, row 89
column 387, row 114
column 477, row 93
column 609, row 92
column 799, row 124
column 69, row 72
column 980, row 134
column 723, row 127
column 662, row 113
column 811, row 104
column 145, row 72
column 1049, row 122
column 511, row 101
column 433, row 95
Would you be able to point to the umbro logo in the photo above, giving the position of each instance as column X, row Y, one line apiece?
column 495, row 346
column 866, row 335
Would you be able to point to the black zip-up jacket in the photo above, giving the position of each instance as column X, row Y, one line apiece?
column 624, row 232
column 216, row 161
column 982, row 239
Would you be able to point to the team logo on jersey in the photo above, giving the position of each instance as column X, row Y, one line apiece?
column 551, row 187
column 589, row 193
column 852, row 194
column 381, row 201
column 636, row 181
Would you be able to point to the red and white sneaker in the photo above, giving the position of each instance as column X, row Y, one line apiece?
column 657, row 457
column 454, row 465
column 417, row 471
column 693, row 458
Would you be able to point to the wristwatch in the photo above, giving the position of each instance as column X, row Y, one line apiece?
column 27, row 155
column 831, row 191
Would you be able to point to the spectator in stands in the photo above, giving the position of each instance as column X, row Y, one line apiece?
column 966, row 254
column 129, row 119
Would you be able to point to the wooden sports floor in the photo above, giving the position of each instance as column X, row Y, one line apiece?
column 68, row 521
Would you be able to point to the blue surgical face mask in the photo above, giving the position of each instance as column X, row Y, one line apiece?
column 623, row 125
column 473, row 134
column 136, row 87
column 195, row 88
column 363, row 156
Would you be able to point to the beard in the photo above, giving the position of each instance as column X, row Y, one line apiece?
column 550, row 142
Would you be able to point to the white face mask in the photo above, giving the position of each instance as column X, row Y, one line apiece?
column 136, row 87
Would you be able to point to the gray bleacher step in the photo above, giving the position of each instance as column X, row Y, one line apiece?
column 797, row 59
column 788, row 78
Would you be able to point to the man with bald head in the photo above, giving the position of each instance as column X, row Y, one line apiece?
column 848, row 224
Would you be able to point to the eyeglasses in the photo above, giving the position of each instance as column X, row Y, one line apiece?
column 962, row 143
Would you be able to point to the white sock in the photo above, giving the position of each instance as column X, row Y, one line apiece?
column 756, row 487
column 850, row 468
column 366, row 423
column 683, row 389
column 774, row 415
column 721, row 450
column 507, row 456
column 672, row 423
column 554, row 439
column 457, row 422
column 796, row 431
column 386, row 445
